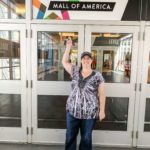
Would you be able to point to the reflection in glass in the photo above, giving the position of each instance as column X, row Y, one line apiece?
column 147, row 116
column 12, row 9
column 51, row 46
column 148, row 78
column 116, row 114
column 10, row 110
column 52, row 113
column 112, row 56
column 10, row 55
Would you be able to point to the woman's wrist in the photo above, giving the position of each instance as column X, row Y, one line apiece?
column 102, row 110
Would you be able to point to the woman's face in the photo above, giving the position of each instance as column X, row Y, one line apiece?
column 86, row 61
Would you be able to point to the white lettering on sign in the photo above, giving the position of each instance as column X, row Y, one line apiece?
column 73, row 6
column 60, row 6
column 83, row 6
column 96, row 6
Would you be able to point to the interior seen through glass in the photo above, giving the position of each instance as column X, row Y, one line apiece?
column 51, row 46
column 12, row 9
column 112, row 53
column 10, row 55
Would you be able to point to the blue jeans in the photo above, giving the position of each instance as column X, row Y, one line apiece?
column 73, row 125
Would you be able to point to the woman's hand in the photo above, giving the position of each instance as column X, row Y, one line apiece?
column 101, row 115
column 69, row 43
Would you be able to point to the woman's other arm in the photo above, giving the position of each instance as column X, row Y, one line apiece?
column 102, row 100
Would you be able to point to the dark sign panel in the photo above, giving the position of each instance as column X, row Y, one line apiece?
column 81, row 6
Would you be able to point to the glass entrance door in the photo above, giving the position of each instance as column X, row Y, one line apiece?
column 115, row 51
column 51, row 83
column 13, row 111
column 143, row 133
column 115, row 55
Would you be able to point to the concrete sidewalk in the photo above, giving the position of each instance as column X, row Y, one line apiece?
column 49, row 147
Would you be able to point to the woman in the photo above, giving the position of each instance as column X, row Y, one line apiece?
column 86, row 102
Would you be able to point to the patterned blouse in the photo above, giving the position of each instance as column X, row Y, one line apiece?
column 83, row 101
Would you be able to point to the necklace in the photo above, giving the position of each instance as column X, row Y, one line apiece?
column 86, row 74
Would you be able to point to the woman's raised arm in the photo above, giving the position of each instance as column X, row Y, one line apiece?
column 65, row 60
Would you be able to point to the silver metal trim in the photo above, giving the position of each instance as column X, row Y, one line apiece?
column 31, row 84
column 26, row 33
column 132, row 134
column 27, row 130
column 31, row 33
column 27, row 84
column 139, row 35
column 140, row 87
column 31, row 130
column 135, row 87
column 143, row 36
column 137, row 134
